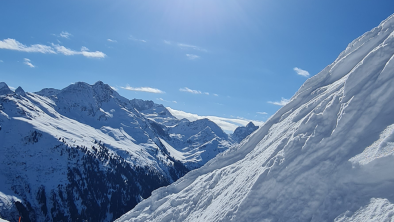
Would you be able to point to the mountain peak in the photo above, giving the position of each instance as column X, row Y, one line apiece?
column 20, row 91
column 99, row 83
column 4, row 89
column 3, row 84
column 242, row 132
column 250, row 125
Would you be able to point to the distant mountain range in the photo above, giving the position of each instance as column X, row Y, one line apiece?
column 87, row 153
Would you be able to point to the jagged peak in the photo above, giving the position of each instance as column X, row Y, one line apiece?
column 20, row 91
column 3, row 84
column 140, row 104
column 99, row 83
column 4, row 89
column 250, row 125
column 48, row 92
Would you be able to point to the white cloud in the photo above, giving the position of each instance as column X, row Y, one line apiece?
column 96, row 54
column 84, row 51
column 111, row 40
column 161, row 99
column 167, row 42
column 143, row 89
column 1, row 60
column 262, row 113
column 137, row 40
column 12, row 44
column 301, row 72
column 282, row 102
column 27, row 62
column 192, row 56
column 227, row 124
column 187, row 46
column 65, row 35
column 185, row 89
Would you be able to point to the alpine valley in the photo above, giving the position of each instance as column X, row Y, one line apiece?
column 328, row 155
column 85, row 153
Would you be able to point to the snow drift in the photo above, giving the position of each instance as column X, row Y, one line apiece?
column 325, row 156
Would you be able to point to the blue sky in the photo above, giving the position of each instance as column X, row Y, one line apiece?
column 223, row 58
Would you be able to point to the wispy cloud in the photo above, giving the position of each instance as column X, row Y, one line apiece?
column 65, row 35
column 262, row 113
column 301, row 72
column 227, row 124
column 12, row 44
column 1, row 60
column 185, row 89
column 161, row 99
column 282, row 102
column 143, row 89
column 192, row 56
column 28, row 62
column 137, row 40
column 187, row 46
column 193, row 91
column 167, row 42
column 84, row 51
column 111, row 40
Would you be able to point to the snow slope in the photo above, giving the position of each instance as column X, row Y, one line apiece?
column 68, row 154
column 325, row 156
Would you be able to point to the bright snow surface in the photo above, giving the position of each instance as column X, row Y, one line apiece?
column 325, row 156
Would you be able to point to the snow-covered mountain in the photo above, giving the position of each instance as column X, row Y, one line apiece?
column 325, row 156
column 87, row 153
column 242, row 132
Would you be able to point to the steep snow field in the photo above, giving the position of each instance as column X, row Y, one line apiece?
column 325, row 156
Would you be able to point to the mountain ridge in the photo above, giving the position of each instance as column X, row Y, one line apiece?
column 72, row 152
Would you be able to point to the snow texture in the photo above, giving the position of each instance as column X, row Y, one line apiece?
column 327, row 155
column 68, row 153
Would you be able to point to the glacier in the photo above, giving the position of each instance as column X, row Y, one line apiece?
column 328, row 155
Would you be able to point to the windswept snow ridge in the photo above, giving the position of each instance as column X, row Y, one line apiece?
column 327, row 155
